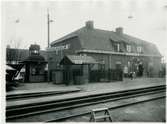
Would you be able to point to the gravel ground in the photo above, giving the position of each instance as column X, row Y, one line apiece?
column 153, row 111
column 151, row 108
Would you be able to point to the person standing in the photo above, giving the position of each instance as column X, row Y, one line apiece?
column 125, row 71
column 131, row 75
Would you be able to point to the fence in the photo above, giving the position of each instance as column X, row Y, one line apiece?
column 106, row 75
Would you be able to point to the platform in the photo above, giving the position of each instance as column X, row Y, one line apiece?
column 92, row 89
column 42, row 90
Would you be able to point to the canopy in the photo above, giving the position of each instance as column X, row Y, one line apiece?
column 9, row 68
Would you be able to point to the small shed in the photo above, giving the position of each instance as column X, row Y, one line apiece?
column 76, row 68
column 35, row 65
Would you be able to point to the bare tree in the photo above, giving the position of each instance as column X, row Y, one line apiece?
column 14, row 55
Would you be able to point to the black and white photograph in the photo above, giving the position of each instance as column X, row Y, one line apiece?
column 83, row 61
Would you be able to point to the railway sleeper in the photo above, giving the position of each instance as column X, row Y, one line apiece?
column 62, row 104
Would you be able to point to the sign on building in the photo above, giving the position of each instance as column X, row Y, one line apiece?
column 59, row 48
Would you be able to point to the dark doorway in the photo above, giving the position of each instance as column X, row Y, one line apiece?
column 140, row 71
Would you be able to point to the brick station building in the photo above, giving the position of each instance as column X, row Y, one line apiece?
column 109, row 49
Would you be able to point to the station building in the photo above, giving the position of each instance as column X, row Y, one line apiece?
column 89, row 49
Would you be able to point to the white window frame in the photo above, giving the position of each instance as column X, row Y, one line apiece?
column 139, row 49
column 36, row 51
column 128, row 48
column 118, row 47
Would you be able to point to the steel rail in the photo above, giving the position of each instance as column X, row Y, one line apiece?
column 112, row 94
column 17, row 110
column 110, row 108
column 62, row 105
column 40, row 94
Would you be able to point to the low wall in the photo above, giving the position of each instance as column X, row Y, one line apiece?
column 37, row 78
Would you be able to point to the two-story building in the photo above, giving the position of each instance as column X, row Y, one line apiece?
column 109, row 49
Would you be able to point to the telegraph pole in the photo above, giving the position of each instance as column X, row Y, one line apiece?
column 48, row 22
column 48, row 27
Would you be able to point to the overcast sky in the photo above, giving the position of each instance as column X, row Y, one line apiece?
column 25, row 23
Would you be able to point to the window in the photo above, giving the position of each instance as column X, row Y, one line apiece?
column 33, row 71
column 128, row 48
column 139, row 49
column 36, row 70
column 34, row 52
column 117, row 47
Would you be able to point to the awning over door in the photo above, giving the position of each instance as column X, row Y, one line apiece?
column 9, row 68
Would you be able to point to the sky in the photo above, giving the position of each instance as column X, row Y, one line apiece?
column 25, row 23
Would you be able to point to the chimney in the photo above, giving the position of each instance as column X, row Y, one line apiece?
column 8, row 46
column 89, row 25
column 119, row 30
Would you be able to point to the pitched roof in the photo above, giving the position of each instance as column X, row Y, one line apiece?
column 35, row 58
column 97, row 39
column 13, row 54
column 74, row 59
column 9, row 68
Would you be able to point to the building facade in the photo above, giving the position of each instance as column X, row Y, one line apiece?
column 110, row 49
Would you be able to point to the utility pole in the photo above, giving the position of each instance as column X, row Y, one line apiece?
column 48, row 27
column 48, row 21
column 48, row 24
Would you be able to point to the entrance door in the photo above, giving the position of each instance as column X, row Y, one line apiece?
column 27, row 72
column 67, row 74
column 140, row 69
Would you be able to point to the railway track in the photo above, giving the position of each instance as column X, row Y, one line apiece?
column 45, row 107
column 39, row 94
column 86, row 114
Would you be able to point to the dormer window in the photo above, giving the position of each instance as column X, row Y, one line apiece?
column 139, row 49
column 117, row 47
column 128, row 48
